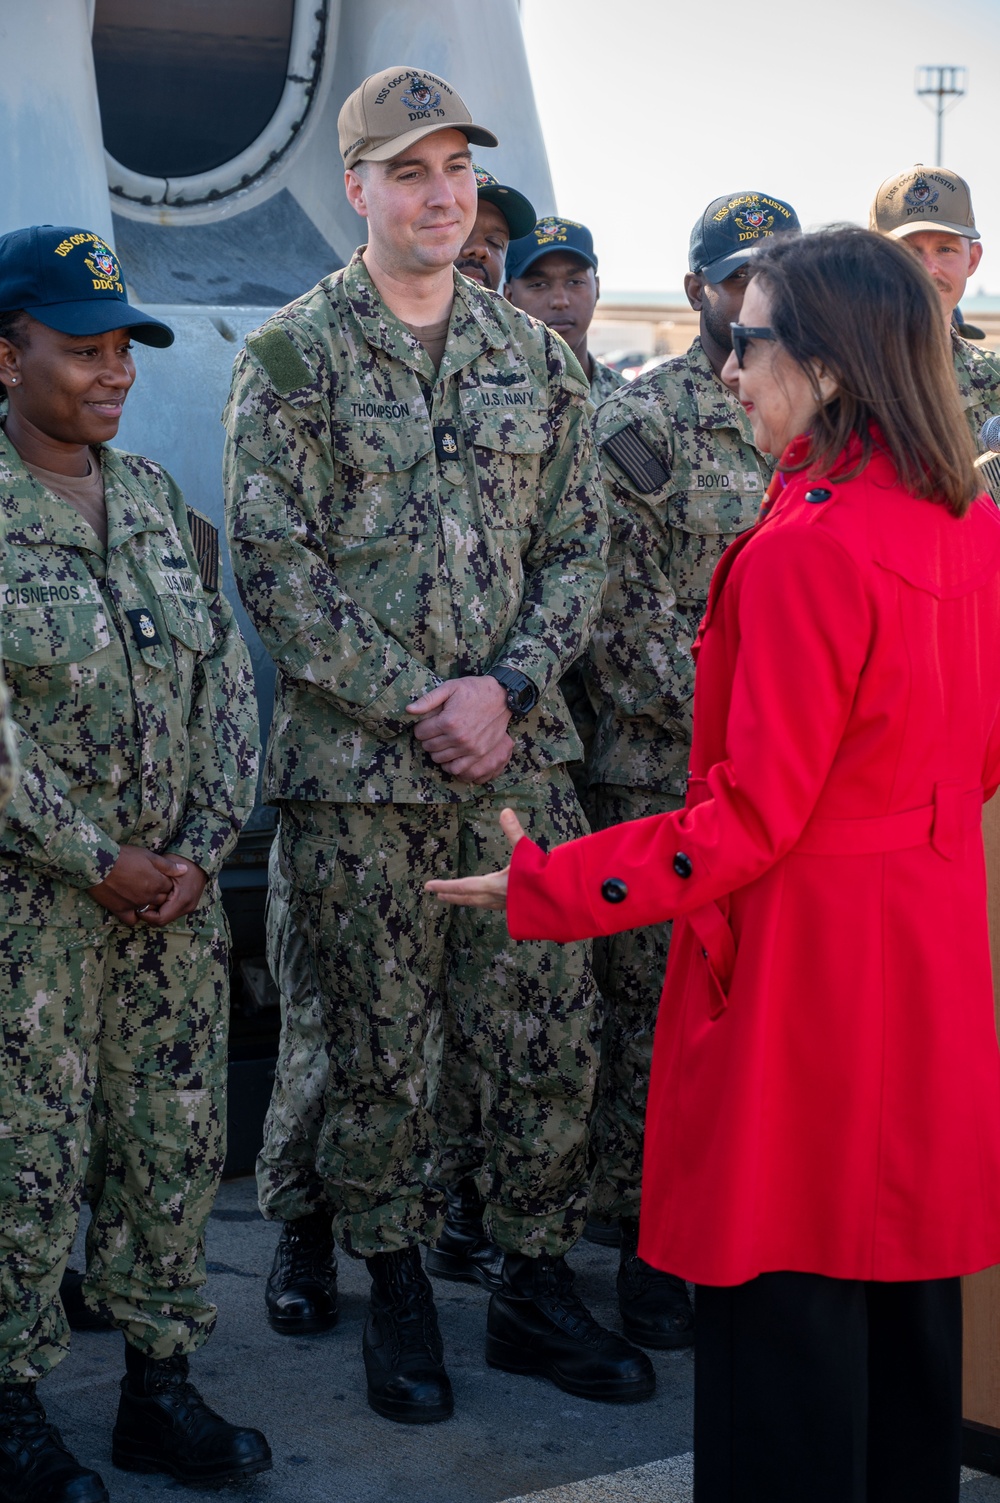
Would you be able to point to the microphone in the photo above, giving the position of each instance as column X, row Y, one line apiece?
column 988, row 464
column 989, row 434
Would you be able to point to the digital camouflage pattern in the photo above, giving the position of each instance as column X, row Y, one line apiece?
column 135, row 720
column 664, row 549
column 978, row 373
column 8, row 756
column 391, row 528
column 389, row 956
column 604, row 382
column 135, row 717
column 288, row 1183
column 145, row 1012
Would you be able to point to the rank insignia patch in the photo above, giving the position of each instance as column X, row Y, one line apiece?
column 445, row 441
column 143, row 628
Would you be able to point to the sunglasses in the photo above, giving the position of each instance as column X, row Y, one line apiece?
column 742, row 335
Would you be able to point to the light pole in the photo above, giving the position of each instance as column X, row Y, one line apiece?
column 937, row 84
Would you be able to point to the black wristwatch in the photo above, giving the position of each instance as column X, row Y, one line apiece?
column 522, row 696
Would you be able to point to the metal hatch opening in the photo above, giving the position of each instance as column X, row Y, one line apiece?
column 186, row 87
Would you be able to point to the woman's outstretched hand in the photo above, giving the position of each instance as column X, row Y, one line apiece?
column 488, row 891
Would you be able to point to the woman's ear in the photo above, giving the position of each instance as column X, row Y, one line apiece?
column 826, row 383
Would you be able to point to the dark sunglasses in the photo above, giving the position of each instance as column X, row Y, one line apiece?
column 742, row 335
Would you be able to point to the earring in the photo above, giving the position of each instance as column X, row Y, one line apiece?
column 13, row 380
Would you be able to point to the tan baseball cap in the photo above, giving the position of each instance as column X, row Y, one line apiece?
column 393, row 109
column 925, row 198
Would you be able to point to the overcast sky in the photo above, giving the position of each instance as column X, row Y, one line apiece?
column 650, row 109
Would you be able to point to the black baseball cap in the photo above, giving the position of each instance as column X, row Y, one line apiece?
column 515, row 208
column 71, row 280
column 733, row 229
column 550, row 234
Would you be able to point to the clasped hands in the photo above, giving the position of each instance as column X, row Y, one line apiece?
column 462, row 726
column 156, row 889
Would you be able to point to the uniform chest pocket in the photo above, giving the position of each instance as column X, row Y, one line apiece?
column 507, row 447
column 63, row 666
column 704, row 519
column 378, row 489
column 182, row 636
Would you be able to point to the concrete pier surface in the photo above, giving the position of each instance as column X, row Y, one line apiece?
column 511, row 1440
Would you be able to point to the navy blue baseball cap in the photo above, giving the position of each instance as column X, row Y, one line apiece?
column 70, row 280
column 550, row 234
column 515, row 208
column 733, row 229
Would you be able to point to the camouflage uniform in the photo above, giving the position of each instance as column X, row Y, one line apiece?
column 289, row 1185
column 391, row 528
column 669, row 526
column 978, row 373
column 8, row 756
column 604, row 382
column 135, row 722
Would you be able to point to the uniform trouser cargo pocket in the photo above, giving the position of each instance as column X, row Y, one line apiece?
column 146, row 1011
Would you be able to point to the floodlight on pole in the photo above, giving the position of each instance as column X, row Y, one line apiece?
column 942, row 87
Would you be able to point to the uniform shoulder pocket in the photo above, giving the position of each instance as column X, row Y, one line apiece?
column 643, row 469
column 282, row 362
column 205, row 538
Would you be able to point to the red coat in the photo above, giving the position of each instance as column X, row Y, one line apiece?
column 826, row 1079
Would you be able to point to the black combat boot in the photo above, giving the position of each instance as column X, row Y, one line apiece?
column 656, row 1308
column 301, row 1294
column 463, row 1252
column 600, row 1230
column 537, row 1324
column 79, row 1314
column 404, row 1357
column 35, row 1466
column 164, row 1425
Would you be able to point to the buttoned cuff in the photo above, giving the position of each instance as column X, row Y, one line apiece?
column 532, row 659
column 205, row 842
column 83, row 856
column 386, row 716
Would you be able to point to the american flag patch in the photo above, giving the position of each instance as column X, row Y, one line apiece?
column 633, row 455
column 206, row 546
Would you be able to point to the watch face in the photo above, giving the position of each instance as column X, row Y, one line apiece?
column 522, row 696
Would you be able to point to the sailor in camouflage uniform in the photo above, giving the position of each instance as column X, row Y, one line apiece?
column 552, row 274
column 419, row 534
column 136, row 734
column 930, row 210
column 301, row 1292
column 683, row 479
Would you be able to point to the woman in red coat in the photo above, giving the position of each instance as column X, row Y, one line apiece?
column 823, row 1129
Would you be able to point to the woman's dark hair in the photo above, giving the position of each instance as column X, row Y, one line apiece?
column 864, row 307
column 13, row 327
